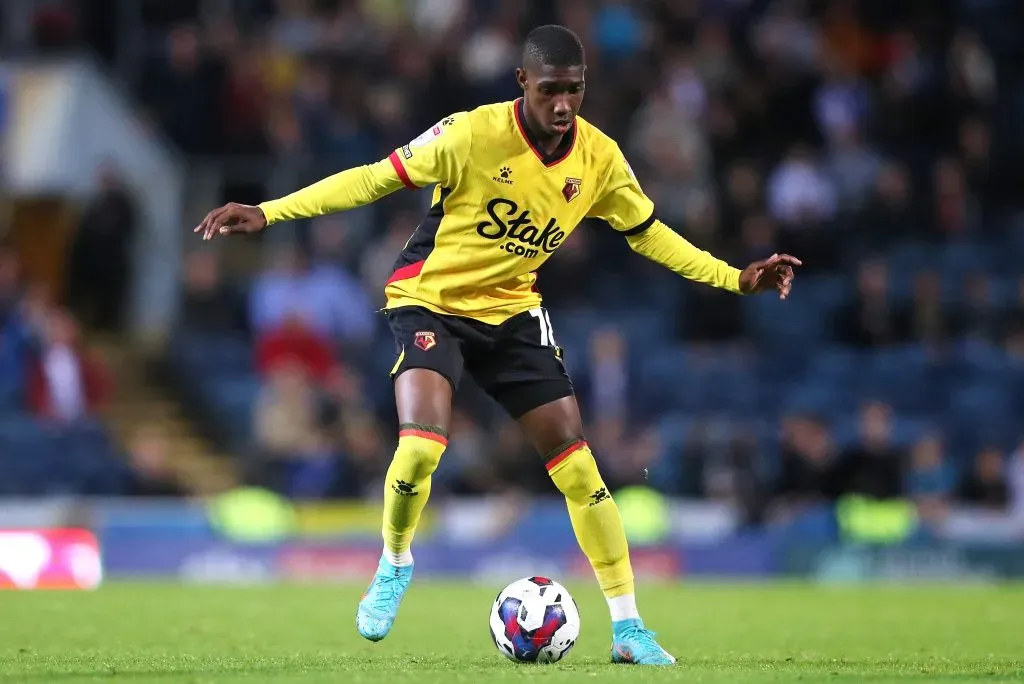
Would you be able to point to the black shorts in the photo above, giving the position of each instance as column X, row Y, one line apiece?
column 517, row 362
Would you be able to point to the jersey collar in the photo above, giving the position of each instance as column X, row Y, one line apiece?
column 564, row 147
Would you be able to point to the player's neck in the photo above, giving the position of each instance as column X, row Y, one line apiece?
column 545, row 143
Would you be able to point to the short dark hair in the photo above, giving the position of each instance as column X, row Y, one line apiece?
column 552, row 45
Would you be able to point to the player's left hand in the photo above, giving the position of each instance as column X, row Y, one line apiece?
column 773, row 273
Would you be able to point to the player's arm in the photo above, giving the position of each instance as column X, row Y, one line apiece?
column 436, row 156
column 628, row 210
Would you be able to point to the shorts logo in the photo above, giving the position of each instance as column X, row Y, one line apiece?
column 571, row 190
column 406, row 152
column 425, row 340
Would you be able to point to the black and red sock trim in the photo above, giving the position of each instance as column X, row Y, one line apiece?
column 562, row 452
column 435, row 434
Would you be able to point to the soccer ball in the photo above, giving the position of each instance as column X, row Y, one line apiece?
column 534, row 620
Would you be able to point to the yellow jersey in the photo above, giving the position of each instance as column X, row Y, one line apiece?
column 500, row 208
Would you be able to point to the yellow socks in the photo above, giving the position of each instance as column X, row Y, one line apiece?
column 595, row 519
column 407, row 487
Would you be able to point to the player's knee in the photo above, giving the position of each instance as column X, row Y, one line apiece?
column 578, row 478
column 419, row 456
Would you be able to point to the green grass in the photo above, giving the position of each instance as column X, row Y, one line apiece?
column 751, row 633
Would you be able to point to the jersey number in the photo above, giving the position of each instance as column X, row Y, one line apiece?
column 547, row 333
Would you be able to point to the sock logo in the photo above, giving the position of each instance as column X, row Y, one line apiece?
column 599, row 496
column 403, row 488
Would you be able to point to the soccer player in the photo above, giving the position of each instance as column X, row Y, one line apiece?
column 511, row 182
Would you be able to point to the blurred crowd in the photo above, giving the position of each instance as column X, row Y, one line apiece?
column 876, row 140
column 45, row 367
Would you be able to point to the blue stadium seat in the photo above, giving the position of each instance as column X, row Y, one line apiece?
column 789, row 328
column 901, row 376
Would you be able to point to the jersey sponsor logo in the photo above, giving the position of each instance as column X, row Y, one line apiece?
column 425, row 340
column 503, row 176
column 520, row 235
column 427, row 136
column 571, row 190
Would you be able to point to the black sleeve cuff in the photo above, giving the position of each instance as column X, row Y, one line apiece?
column 641, row 228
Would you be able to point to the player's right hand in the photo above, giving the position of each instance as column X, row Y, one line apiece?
column 232, row 218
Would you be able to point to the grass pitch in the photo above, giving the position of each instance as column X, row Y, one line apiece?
column 731, row 634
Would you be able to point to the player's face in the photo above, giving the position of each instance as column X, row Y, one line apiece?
column 553, row 96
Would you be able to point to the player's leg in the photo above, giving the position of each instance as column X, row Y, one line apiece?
column 428, row 367
column 555, row 429
column 424, row 401
column 525, row 374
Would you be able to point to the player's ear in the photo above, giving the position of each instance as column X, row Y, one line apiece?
column 521, row 78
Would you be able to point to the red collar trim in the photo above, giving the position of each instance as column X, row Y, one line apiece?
column 560, row 153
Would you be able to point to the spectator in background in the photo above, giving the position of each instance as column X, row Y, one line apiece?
column 985, row 484
column 365, row 459
column 715, row 56
column 802, row 198
column 465, row 468
column 293, row 455
column 347, row 418
column 10, row 281
column 955, row 212
column 100, row 258
column 335, row 240
column 890, row 214
column 799, row 193
column 490, row 55
column 181, row 87
column 329, row 300
column 245, row 99
column 66, row 382
column 870, row 321
column 853, row 168
column 208, row 305
column 1014, row 317
column 984, row 179
column 508, row 452
column 608, row 375
column 741, row 195
column 758, row 237
column 972, row 71
column 930, row 481
column 980, row 316
column 874, row 467
column 842, row 104
column 295, row 342
column 786, row 39
column 151, row 473
column 15, row 333
column 808, row 457
column 378, row 261
column 1015, row 483
column 926, row 318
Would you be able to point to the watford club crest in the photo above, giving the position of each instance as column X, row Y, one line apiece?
column 572, row 189
column 425, row 340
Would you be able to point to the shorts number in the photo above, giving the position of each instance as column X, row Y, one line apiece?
column 547, row 333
